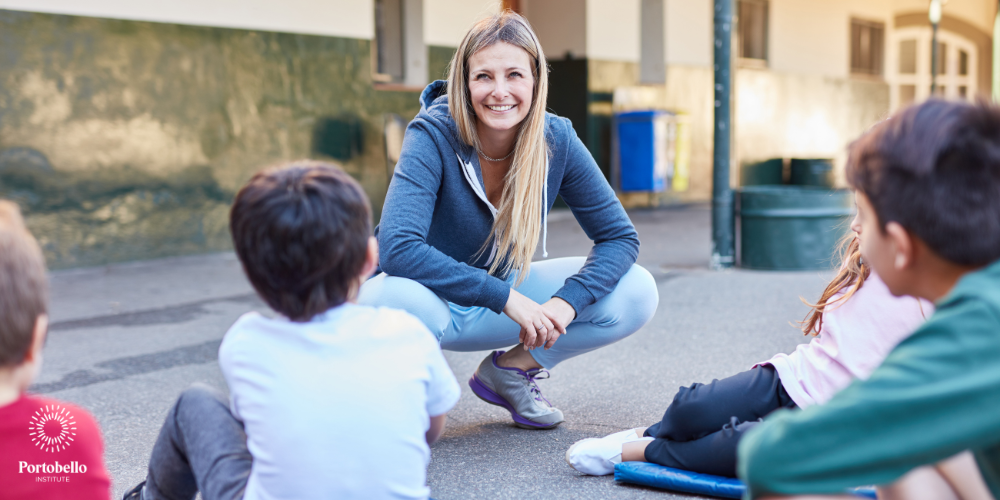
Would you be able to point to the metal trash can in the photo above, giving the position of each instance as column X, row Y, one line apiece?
column 763, row 173
column 792, row 227
column 812, row 172
column 645, row 146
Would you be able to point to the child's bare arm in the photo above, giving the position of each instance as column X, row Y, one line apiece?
column 436, row 429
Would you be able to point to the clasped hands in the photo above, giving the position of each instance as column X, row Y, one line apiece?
column 541, row 324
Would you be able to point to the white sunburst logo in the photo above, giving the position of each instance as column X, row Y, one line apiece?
column 52, row 428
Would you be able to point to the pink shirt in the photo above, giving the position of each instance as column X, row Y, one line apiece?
column 856, row 336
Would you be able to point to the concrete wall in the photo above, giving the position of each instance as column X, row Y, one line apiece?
column 813, row 38
column 561, row 26
column 447, row 21
column 803, row 116
column 689, row 32
column 613, row 30
column 126, row 139
column 977, row 12
column 126, row 128
column 777, row 115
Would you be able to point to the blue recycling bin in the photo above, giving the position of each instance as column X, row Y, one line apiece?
column 644, row 150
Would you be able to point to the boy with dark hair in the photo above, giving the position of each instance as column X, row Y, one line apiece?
column 50, row 449
column 928, row 196
column 329, row 400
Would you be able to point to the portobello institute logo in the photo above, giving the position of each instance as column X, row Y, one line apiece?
column 52, row 428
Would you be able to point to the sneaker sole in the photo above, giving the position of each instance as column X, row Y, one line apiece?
column 487, row 395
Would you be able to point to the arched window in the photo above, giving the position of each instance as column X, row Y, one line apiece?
column 909, row 68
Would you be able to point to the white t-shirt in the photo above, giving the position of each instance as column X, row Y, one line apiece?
column 337, row 407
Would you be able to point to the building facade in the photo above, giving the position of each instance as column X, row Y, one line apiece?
column 126, row 127
column 810, row 75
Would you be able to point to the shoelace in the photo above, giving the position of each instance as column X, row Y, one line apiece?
column 533, row 375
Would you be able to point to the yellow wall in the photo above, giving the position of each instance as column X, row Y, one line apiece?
column 344, row 18
column 613, row 30
column 806, row 36
column 689, row 32
column 447, row 21
column 977, row 12
column 776, row 114
column 809, row 37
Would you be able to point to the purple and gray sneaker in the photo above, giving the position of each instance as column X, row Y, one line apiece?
column 515, row 390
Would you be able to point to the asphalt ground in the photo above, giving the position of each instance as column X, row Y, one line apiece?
column 126, row 339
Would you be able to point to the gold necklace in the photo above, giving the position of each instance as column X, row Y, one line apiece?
column 495, row 159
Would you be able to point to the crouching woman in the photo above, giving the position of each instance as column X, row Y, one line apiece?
column 481, row 166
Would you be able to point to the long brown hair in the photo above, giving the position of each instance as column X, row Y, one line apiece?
column 851, row 277
column 518, row 220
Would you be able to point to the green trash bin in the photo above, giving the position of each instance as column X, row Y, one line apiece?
column 811, row 172
column 792, row 227
column 762, row 173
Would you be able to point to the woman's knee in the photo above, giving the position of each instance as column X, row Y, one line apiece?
column 642, row 291
column 625, row 310
column 633, row 301
column 406, row 294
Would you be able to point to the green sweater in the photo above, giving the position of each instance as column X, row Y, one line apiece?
column 935, row 395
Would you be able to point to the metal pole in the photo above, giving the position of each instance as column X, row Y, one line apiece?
column 934, row 58
column 723, row 229
column 996, row 56
column 934, row 16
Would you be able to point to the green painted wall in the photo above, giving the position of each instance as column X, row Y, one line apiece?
column 438, row 60
column 126, row 140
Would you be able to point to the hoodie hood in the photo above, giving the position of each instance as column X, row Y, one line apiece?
column 434, row 109
column 436, row 89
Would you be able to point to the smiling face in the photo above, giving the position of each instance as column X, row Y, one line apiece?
column 500, row 87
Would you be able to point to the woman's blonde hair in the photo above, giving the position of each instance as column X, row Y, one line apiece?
column 852, row 275
column 519, row 216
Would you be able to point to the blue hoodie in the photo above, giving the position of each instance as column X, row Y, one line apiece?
column 436, row 215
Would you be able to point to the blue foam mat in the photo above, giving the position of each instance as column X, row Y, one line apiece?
column 658, row 476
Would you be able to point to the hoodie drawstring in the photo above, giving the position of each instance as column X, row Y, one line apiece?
column 545, row 213
column 470, row 176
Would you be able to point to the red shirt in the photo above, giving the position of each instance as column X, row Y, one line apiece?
column 50, row 450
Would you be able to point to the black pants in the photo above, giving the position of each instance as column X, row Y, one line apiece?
column 702, row 427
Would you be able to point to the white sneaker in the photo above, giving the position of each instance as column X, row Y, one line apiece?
column 598, row 456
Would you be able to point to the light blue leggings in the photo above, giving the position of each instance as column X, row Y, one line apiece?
column 615, row 316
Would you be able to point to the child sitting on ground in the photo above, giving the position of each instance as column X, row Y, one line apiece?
column 328, row 400
column 50, row 449
column 856, row 323
column 928, row 194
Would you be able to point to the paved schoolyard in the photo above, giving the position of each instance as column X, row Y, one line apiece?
column 126, row 339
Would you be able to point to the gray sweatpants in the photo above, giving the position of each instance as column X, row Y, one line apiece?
column 201, row 447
